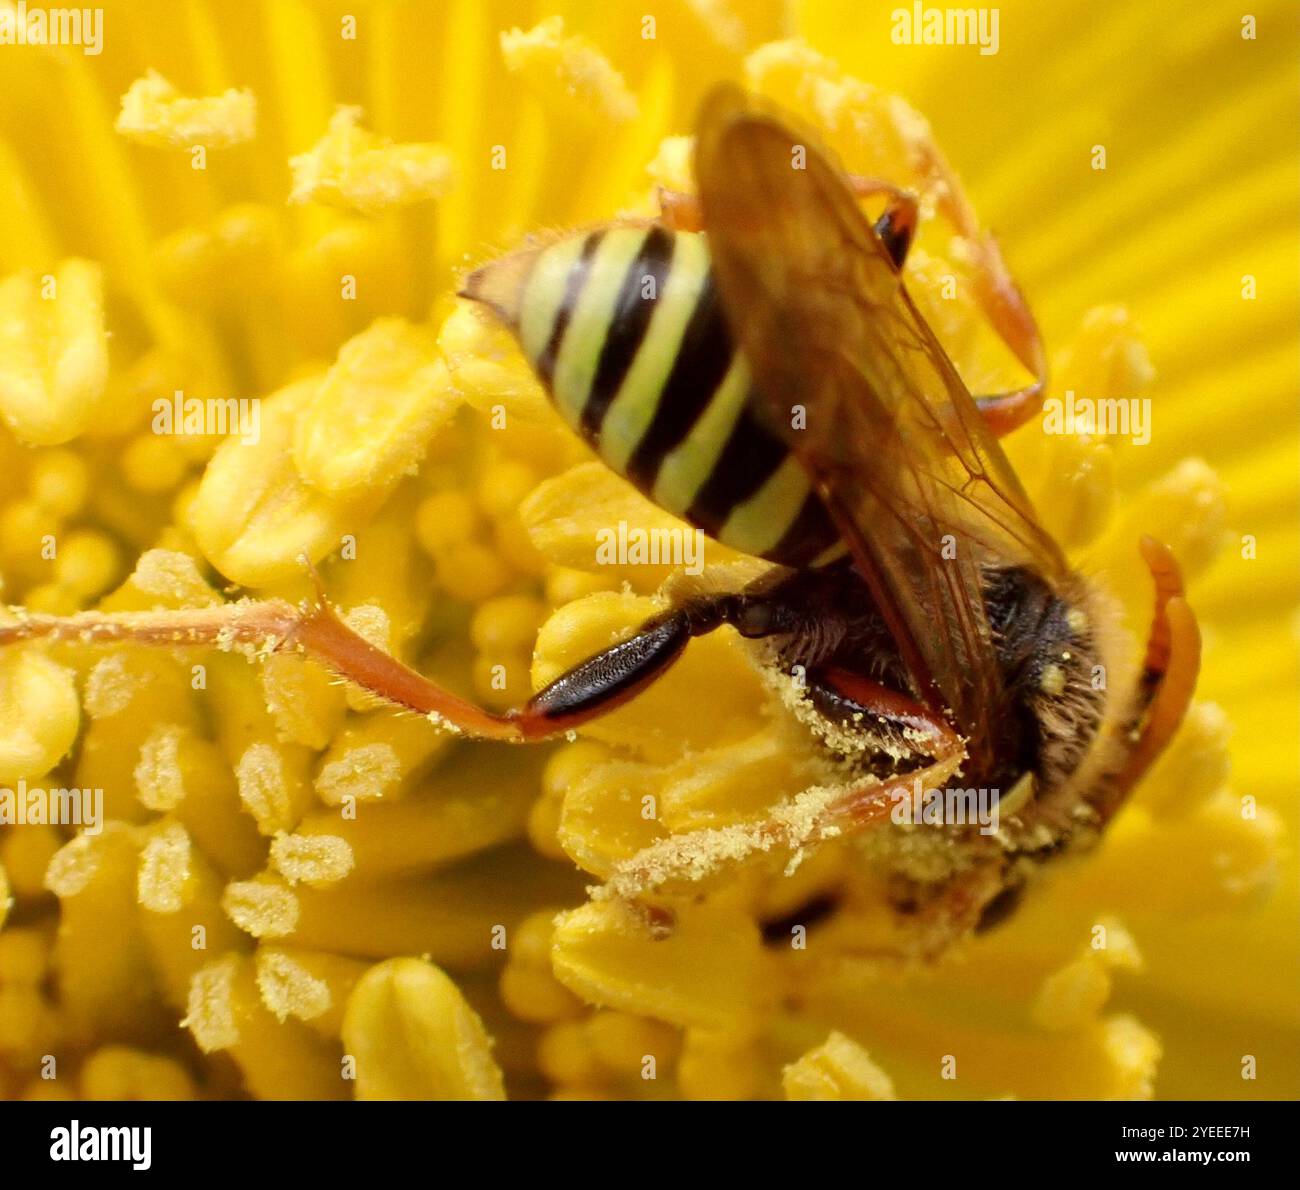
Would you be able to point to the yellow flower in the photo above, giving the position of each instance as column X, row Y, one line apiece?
column 227, row 339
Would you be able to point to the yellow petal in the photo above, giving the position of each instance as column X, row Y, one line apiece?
column 278, row 1060
column 120, row 1073
column 307, row 984
column 314, row 859
column 39, row 711
column 488, row 367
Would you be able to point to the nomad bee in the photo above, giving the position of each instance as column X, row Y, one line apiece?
column 753, row 363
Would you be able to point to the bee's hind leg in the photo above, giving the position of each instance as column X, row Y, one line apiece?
column 259, row 628
column 1004, row 412
column 590, row 689
column 1010, row 316
column 610, row 678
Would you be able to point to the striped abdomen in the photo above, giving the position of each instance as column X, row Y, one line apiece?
column 625, row 328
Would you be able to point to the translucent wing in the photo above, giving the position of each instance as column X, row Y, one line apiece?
column 858, row 386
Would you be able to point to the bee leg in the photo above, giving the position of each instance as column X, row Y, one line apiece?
column 1006, row 309
column 999, row 298
column 861, row 704
column 590, row 689
column 1004, row 412
column 596, row 686
column 684, row 863
column 681, row 863
column 587, row 691
column 897, row 226
column 260, row 628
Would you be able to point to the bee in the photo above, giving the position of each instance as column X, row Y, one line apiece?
column 753, row 362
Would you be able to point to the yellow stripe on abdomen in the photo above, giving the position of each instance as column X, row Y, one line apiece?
column 684, row 469
column 590, row 319
column 757, row 525
column 627, row 330
column 633, row 408
column 544, row 294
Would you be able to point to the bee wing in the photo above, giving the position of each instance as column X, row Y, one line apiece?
column 860, row 389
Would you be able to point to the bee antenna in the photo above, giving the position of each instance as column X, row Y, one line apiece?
column 1169, row 672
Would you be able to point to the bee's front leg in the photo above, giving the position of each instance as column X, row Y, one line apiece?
column 791, row 829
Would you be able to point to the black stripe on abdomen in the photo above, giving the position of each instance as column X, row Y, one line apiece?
column 744, row 465
column 627, row 327
column 702, row 359
column 810, row 534
column 576, row 279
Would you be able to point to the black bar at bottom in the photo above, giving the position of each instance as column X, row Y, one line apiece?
column 682, row 1141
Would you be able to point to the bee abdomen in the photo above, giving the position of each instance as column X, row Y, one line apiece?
column 625, row 327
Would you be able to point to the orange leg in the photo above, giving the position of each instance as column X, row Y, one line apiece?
column 999, row 298
column 998, row 295
column 681, row 862
column 588, row 690
column 260, row 628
